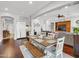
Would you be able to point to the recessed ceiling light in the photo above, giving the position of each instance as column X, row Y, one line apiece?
column 6, row 9
column 66, row 6
column 30, row 2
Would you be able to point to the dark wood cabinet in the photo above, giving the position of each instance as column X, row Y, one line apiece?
column 63, row 26
column 6, row 33
column 76, row 45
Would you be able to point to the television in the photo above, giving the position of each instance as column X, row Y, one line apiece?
column 61, row 28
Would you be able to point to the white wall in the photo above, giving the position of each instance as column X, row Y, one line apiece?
column 1, row 29
column 73, row 22
column 36, row 25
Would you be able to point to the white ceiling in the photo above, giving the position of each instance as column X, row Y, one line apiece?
column 22, row 7
column 52, row 5
column 71, row 11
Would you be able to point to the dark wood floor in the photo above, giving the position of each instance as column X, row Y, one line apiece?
column 68, row 49
column 8, row 49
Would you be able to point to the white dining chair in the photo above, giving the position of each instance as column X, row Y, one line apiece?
column 34, row 43
column 54, row 52
column 41, row 36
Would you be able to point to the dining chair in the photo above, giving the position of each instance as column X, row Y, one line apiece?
column 41, row 36
column 53, row 51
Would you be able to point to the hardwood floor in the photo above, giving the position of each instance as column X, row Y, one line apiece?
column 34, row 50
column 68, row 49
column 8, row 49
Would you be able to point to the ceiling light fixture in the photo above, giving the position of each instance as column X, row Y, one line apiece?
column 66, row 6
column 6, row 9
column 30, row 2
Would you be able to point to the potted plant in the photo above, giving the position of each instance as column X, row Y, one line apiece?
column 76, row 41
column 76, row 30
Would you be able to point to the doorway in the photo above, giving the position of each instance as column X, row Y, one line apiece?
column 8, row 27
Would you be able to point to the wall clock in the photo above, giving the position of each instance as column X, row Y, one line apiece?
column 77, row 22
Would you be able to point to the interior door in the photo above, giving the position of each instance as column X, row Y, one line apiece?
column 20, row 29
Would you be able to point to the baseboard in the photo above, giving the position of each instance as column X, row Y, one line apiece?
column 21, row 38
column 68, row 45
column 68, row 49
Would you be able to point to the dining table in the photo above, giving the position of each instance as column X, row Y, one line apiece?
column 44, row 42
column 37, row 45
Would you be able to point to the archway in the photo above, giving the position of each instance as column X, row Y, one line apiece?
column 8, row 27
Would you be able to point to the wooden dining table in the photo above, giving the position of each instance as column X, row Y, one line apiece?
column 45, row 42
column 35, row 51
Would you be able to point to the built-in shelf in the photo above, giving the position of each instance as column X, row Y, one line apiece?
column 63, row 26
